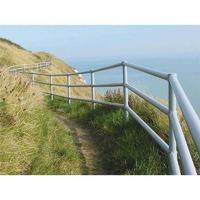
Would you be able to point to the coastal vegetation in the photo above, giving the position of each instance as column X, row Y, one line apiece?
column 125, row 147
column 34, row 141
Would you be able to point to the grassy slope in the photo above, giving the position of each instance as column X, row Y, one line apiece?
column 12, row 54
column 125, row 147
column 32, row 141
column 30, row 144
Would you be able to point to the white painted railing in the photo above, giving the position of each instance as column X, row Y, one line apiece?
column 25, row 67
column 176, row 93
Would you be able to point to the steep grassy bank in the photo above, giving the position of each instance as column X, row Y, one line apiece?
column 32, row 141
column 125, row 147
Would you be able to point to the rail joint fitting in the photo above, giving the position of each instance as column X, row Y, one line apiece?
column 172, row 75
column 123, row 63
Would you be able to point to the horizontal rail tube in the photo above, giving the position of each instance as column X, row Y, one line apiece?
column 190, row 115
column 59, row 85
column 149, row 99
column 72, row 74
column 99, row 85
column 188, row 165
column 158, row 74
column 78, row 73
column 40, row 82
column 89, row 71
column 89, row 100
column 145, row 70
column 27, row 68
column 40, row 74
column 108, row 67
column 58, row 95
column 89, row 85
column 151, row 132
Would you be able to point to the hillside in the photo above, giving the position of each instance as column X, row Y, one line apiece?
column 32, row 139
column 13, row 54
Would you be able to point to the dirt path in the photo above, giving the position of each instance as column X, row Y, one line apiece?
column 87, row 147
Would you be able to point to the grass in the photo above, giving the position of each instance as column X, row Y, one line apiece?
column 12, row 54
column 32, row 140
column 124, row 146
column 11, row 43
column 57, row 151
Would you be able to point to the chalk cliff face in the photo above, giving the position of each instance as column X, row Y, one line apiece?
column 13, row 54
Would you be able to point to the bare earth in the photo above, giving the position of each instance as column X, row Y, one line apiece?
column 86, row 144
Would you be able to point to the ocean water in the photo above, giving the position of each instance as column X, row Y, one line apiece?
column 187, row 69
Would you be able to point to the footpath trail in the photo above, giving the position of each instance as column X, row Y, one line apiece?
column 93, row 163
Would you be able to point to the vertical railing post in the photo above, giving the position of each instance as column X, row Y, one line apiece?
column 125, row 89
column 33, row 79
column 68, row 89
column 92, row 89
column 51, row 87
column 175, row 169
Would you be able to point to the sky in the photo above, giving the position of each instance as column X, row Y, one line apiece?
column 99, row 42
column 164, row 48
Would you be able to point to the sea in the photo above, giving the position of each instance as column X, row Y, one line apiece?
column 186, row 67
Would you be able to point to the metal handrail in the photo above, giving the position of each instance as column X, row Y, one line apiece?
column 188, row 111
column 176, row 92
column 151, row 100
column 41, row 74
column 24, row 67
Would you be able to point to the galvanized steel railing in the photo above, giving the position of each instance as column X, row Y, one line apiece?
column 176, row 93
